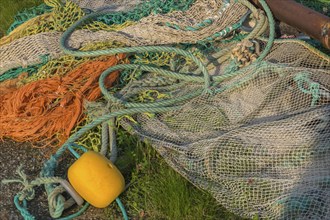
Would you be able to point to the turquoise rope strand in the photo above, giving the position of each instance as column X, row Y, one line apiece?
column 135, row 108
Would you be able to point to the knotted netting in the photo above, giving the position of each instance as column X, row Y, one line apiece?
column 251, row 125
column 260, row 145
column 98, row 5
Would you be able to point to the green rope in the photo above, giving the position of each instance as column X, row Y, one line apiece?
column 28, row 193
column 50, row 165
column 271, row 31
column 66, row 35
column 302, row 79
column 128, row 108
column 23, row 208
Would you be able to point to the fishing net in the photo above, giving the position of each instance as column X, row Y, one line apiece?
column 27, row 14
column 48, row 109
column 34, row 49
column 149, row 31
column 260, row 144
column 29, row 50
column 116, row 5
column 254, row 131
column 62, row 16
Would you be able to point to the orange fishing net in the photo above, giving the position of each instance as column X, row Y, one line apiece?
column 45, row 111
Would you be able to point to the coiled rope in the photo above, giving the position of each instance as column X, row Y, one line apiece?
column 130, row 108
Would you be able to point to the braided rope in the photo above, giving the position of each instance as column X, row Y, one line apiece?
column 48, row 170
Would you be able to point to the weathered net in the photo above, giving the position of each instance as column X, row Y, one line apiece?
column 261, row 144
column 27, row 14
column 116, row 5
column 29, row 50
column 149, row 31
column 258, row 141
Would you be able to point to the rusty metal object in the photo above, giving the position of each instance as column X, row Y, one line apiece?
column 305, row 19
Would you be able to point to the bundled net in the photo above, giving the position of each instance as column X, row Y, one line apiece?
column 99, row 5
column 30, row 41
column 259, row 145
column 48, row 109
column 251, row 125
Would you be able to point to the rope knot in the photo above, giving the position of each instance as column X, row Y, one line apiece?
column 307, row 86
column 245, row 53
column 27, row 193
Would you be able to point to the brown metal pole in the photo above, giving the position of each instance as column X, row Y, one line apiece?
column 305, row 19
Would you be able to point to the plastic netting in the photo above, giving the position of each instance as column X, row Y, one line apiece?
column 261, row 144
column 99, row 5
column 27, row 14
column 257, row 139
column 149, row 31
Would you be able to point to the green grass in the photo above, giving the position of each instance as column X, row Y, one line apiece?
column 156, row 191
column 9, row 8
column 322, row 6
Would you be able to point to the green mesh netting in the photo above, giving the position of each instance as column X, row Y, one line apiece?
column 144, row 9
column 31, row 70
column 27, row 14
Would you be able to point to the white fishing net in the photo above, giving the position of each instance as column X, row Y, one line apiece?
column 261, row 144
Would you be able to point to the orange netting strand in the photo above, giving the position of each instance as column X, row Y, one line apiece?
column 47, row 110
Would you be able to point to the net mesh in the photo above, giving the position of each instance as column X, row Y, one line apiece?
column 99, row 5
column 149, row 31
column 259, row 143
column 27, row 14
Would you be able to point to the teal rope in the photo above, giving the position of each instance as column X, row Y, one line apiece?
column 23, row 208
column 110, row 97
column 134, row 108
column 122, row 208
column 75, row 215
column 313, row 87
column 66, row 35
column 48, row 169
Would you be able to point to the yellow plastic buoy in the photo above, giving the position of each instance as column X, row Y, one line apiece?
column 96, row 179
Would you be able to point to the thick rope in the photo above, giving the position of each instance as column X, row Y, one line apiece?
column 135, row 108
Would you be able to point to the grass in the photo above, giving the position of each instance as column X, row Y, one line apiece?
column 9, row 8
column 156, row 191
column 322, row 6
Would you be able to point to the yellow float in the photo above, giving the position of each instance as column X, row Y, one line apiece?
column 96, row 179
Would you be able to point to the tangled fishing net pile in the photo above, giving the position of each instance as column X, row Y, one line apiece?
column 237, row 113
